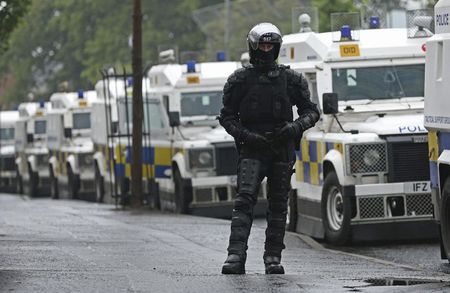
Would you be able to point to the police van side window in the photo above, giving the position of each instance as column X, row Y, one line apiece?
column 312, row 84
column 153, row 116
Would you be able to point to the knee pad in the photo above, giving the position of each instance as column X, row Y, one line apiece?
column 279, row 182
column 248, row 177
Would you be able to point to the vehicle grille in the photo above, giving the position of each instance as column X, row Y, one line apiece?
column 371, row 207
column 375, row 207
column 226, row 159
column 419, row 205
column 7, row 164
column 408, row 160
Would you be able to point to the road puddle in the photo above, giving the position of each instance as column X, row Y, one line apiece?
column 399, row 282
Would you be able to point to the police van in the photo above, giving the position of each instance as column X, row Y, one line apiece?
column 362, row 172
column 437, row 120
column 189, row 160
column 31, row 151
column 70, row 145
column 7, row 154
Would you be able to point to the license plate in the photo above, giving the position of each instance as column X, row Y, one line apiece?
column 417, row 187
column 351, row 50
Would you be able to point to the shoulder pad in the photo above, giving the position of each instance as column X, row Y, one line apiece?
column 238, row 75
column 293, row 75
column 283, row 67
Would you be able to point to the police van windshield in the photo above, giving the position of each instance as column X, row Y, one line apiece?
column 39, row 126
column 82, row 120
column 6, row 133
column 153, row 116
column 201, row 104
column 376, row 83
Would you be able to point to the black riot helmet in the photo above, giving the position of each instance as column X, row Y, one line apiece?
column 264, row 33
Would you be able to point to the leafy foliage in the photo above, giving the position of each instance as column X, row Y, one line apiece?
column 10, row 13
column 63, row 44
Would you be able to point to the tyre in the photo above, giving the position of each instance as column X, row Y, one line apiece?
column 72, row 185
column 292, row 211
column 336, row 211
column 19, row 183
column 54, row 190
column 181, row 194
column 445, row 218
column 33, row 184
column 99, row 185
column 153, row 194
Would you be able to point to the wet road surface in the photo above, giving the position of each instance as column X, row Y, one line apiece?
column 73, row 246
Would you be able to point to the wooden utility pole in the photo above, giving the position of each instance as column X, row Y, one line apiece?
column 136, row 164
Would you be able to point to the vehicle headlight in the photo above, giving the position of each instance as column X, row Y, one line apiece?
column 366, row 158
column 201, row 159
column 85, row 160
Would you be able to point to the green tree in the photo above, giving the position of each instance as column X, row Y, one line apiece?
column 326, row 7
column 11, row 12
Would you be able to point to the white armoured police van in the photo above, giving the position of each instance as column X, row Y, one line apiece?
column 31, row 150
column 437, row 119
column 362, row 171
column 189, row 160
column 8, row 172
column 70, row 144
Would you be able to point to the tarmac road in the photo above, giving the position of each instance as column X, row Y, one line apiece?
column 74, row 246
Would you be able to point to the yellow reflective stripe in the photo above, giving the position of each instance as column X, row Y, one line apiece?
column 299, row 171
column 433, row 146
column 163, row 156
column 314, row 173
column 338, row 146
column 319, row 147
column 305, row 150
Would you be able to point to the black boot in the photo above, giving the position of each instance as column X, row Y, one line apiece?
column 234, row 265
column 273, row 265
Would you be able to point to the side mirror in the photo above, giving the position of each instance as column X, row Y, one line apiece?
column 174, row 119
column 330, row 103
column 68, row 132
column 30, row 138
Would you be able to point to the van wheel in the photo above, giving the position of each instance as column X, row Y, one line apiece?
column 72, row 187
column 99, row 185
column 54, row 192
column 33, row 184
column 19, row 183
column 292, row 211
column 445, row 219
column 336, row 211
column 181, row 200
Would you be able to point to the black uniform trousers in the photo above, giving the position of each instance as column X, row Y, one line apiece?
column 275, row 163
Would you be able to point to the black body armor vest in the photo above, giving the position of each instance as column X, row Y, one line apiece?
column 266, row 104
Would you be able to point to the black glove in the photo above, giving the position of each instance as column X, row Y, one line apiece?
column 253, row 139
column 290, row 131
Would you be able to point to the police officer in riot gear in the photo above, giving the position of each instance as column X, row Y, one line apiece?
column 257, row 112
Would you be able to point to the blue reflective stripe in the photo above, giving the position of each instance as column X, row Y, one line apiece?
column 434, row 175
column 306, row 172
column 444, row 141
column 148, row 155
column 160, row 171
column 120, row 170
column 329, row 146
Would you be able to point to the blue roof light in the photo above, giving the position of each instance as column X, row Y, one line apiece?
column 41, row 104
column 80, row 94
column 190, row 66
column 346, row 33
column 129, row 81
column 374, row 22
column 220, row 56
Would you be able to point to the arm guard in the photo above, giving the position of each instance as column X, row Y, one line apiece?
column 233, row 92
column 308, row 113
